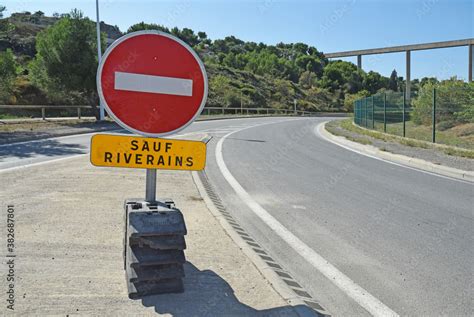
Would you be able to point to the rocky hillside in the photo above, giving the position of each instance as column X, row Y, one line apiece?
column 23, row 28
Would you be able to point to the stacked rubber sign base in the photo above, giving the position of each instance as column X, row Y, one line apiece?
column 152, row 84
column 154, row 244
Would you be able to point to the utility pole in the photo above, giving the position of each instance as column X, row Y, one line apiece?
column 99, row 56
column 295, row 102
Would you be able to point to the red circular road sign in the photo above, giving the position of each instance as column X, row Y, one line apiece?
column 152, row 83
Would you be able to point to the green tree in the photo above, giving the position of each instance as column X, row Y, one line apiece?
column 4, row 24
column 393, row 81
column 350, row 98
column 340, row 74
column 307, row 79
column 373, row 82
column 320, row 98
column 66, row 59
column 147, row 26
column 425, row 80
column 454, row 103
column 8, row 69
column 223, row 93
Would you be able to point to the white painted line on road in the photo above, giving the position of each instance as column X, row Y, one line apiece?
column 343, row 282
column 153, row 84
column 14, row 168
column 318, row 133
column 58, row 138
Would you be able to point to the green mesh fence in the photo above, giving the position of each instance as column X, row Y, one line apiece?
column 442, row 115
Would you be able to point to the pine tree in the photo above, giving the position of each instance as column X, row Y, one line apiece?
column 392, row 82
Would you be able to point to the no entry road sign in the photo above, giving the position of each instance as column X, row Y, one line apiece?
column 152, row 83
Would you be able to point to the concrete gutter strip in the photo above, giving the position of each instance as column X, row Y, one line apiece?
column 400, row 159
column 268, row 272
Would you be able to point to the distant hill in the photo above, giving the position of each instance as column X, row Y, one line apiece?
column 25, row 26
column 240, row 73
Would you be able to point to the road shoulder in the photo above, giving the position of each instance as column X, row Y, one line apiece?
column 424, row 159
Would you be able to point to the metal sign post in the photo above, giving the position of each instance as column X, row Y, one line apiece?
column 150, row 190
column 99, row 56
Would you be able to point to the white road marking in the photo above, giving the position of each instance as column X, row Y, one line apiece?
column 298, row 207
column 153, row 84
column 343, row 282
column 318, row 133
column 15, row 168
column 57, row 138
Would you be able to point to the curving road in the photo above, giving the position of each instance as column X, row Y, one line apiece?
column 361, row 235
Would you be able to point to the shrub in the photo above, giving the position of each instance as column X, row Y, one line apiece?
column 454, row 103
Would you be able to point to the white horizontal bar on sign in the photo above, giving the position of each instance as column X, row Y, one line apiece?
column 153, row 84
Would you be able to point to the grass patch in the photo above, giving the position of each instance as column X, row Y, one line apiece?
column 459, row 136
column 334, row 128
column 33, row 126
column 10, row 116
column 413, row 143
column 459, row 152
column 338, row 127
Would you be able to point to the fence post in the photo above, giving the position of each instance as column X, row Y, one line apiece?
column 434, row 116
column 359, row 112
column 43, row 113
column 373, row 113
column 355, row 111
column 384, row 112
column 365, row 104
column 79, row 113
column 403, row 112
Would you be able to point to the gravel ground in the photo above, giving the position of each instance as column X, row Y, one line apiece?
column 68, row 244
column 432, row 155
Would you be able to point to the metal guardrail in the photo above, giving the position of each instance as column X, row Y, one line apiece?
column 249, row 111
column 44, row 107
column 205, row 111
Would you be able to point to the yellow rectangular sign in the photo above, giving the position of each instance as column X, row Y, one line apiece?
column 139, row 152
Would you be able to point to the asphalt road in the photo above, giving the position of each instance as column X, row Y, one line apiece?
column 388, row 237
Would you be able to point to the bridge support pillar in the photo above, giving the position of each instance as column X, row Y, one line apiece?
column 471, row 61
column 408, row 76
column 359, row 61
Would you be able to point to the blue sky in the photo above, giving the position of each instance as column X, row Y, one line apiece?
column 328, row 25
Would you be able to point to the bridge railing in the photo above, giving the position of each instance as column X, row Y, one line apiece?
column 439, row 115
column 79, row 111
